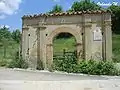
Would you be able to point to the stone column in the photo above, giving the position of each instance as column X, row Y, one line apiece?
column 79, row 47
column 41, row 48
column 49, row 55
column 108, row 41
column 87, row 41
column 107, row 37
column 25, row 42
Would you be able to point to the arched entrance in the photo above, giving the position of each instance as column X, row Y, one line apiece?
column 54, row 33
column 64, row 51
column 64, row 41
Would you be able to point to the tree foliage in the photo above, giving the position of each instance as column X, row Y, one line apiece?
column 56, row 8
column 115, row 18
column 16, row 35
column 7, row 38
column 5, row 33
column 84, row 5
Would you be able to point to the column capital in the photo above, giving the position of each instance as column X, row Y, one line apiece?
column 107, row 23
column 49, row 44
column 25, row 28
column 78, row 44
column 87, row 24
column 41, row 27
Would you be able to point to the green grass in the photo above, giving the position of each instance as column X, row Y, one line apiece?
column 68, row 44
column 10, row 53
column 116, row 47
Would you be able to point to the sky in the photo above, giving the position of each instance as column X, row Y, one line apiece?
column 11, row 11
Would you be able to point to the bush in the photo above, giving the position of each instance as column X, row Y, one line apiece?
column 97, row 68
column 18, row 62
column 3, row 62
column 91, row 67
column 66, row 64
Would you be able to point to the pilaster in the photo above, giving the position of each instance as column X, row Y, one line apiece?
column 108, row 42
column 107, row 39
column 25, row 30
column 41, row 47
column 87, row 37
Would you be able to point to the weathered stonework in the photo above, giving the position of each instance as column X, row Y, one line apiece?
column 39, row 30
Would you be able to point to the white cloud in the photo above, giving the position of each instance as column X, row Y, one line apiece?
column 9, row 7
column 1, row 26
column 2, row 16
column 56, row 0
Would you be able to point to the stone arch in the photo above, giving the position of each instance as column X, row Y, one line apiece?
column 49, row 46
column 55, row 32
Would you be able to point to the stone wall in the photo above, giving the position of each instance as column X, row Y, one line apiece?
column 38, row 34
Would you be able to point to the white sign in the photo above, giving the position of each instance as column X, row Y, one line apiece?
column 97, row 35
column 107, row 4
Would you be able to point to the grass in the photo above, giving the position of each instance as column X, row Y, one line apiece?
column 10, row 53
column 68, row 44
column 116, row 47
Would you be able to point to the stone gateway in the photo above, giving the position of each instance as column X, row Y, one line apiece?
column 91, row 29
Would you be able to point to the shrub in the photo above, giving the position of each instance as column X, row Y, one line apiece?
column 18, row 62
column 91, row 67
column 3, row 62
column 66, row 64
column 97, row 67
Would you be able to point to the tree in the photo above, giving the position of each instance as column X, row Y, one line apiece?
column 16, row 35
column 115, row 18
column 56, row 8
column 84, row 5
column 4, row 33
column 5, row 37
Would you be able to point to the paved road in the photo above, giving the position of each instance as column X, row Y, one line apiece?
column 11, row 74
column 11, row 79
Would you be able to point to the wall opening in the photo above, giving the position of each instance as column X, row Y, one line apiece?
column 64, row 41
column 64, row 49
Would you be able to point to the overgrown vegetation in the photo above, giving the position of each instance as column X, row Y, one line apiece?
column 18, row 62
column 70, row 65
column 116, row 47
column 90, row 67
column 9, row 45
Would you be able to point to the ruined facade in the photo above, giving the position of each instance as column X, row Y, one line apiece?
column 91, row 29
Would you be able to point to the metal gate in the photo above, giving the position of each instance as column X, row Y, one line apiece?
column 65, row 55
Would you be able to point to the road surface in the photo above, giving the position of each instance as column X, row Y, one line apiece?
column 16, row 79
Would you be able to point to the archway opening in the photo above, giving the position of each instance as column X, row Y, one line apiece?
column 64, row 51
column 64, row 41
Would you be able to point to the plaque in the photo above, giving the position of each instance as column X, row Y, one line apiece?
column 97, row 35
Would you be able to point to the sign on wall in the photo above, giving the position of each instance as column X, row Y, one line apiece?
column 97, row 35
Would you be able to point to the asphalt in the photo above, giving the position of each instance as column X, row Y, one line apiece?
column 17, row 79
column 18, row 74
